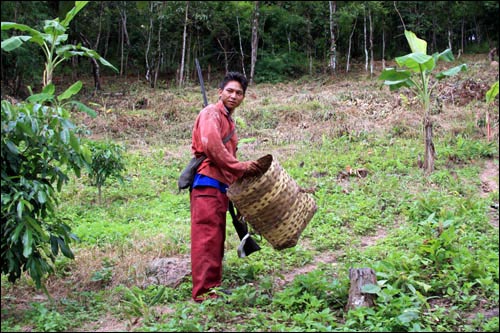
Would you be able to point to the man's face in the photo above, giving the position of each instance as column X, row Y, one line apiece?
column 232, row 95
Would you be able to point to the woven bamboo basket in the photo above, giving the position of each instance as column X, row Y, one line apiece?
column 273, row 204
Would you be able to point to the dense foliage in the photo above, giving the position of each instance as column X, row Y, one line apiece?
column 39, row 146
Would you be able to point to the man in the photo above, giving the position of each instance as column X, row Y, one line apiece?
column 214, row 136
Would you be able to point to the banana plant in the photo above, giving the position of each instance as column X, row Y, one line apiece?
column 415, row 73
column 490, row 97
column 52, row 41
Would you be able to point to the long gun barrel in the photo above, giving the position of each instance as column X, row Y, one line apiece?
column 202, row 84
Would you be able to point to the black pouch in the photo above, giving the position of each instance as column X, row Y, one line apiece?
column 187, row 175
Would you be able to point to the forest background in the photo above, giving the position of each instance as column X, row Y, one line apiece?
column 269, row 41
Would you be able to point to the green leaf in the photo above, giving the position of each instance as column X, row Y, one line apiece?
column 451, row 71
column 84, row 108
column 424, row 285
column 417, row 45
column 446, row 55
column 396, row 79
column 72, row 13
column 68, row 51
column 93, row 54
column 408, row 316
column 158, row 296
column 54, row 245
column 395, row 85
column 492, row 93
column 87, row 154
column 53, row 27
column 36, row 36
column 417, row 62
column 12, row 147
column 22, row 27
column 65, row 136
column 391, row 74
column 74, row 142
column 27, row 243
column 20, row 208
column 42, row 197
column 15, row 235
column 49, row 89
column 35, row 225
column 13, row 43
column 65, row 249
column 74, row 89
column 40, row 98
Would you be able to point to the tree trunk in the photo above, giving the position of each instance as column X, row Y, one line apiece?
column 430, row 152
column 462, row 39
column 98, row 39
column 148, row 44
column 383, row 49
column 333, row 51
column 74, row 66
column 99, row 195
column 350, row 43
column 360, row 277
column 434, row 28
column 450, row 45
column 106, row 44
column 159, row 55
column 479, row 38
column 183, row 54
column 371, row 42
column 95, row 66
column 124, row 39
column 364, row 38
column 241, row 48
column 255, row 40
column 310, row 45
column 226, row 62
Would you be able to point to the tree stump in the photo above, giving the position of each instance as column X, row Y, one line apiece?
column 360, row 277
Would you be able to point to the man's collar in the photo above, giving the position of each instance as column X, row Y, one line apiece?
column 228, row 113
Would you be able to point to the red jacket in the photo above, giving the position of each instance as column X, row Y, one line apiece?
column 212, row 125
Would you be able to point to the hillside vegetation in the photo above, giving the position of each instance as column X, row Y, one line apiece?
column 432, row 240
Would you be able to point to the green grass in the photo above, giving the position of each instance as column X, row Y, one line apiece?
column 437, row 265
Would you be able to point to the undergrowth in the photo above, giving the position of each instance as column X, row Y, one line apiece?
column 437, row 266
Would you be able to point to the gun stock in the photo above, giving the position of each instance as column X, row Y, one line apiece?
column 248, row 244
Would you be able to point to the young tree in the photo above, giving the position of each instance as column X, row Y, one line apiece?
column 107, row 162
column 255, row 40
column 39, row 146
column 416, row 74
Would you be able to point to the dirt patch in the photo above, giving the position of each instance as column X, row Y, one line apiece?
column 328, row 257
column 489, row 184
column 489, row 178
column 321, row 258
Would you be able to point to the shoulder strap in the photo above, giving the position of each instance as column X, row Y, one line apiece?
column 226, row 139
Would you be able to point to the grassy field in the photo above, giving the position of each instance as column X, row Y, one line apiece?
column 432, row 240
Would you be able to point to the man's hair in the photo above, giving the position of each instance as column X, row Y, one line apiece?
column 234, row 76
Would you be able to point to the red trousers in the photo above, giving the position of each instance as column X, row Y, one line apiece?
column 208, row 233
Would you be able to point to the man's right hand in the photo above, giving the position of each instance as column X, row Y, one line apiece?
column 253, row 169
